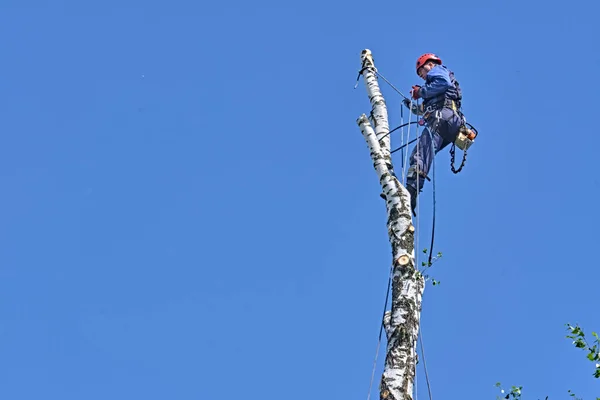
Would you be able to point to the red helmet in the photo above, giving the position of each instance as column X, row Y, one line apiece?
column 427, row 57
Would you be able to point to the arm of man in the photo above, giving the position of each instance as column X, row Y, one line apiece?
column 438, row 81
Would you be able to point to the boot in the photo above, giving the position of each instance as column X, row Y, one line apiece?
column 413, row 198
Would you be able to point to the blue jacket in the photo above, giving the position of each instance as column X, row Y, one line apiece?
column 439, row 84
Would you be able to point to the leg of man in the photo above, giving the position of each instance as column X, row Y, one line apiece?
column 420, row 161
column 421, row 158
column 448, row 126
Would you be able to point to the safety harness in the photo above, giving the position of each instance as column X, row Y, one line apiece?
column 451, row 99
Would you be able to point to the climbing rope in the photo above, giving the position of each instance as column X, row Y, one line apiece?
column 387, row 295
column 433, row 197
column 402, row 138
column 431, row 247
column 402, row 125
column 424, row 363
column 389, row 83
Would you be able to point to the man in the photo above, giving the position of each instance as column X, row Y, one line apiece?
column 440, row 109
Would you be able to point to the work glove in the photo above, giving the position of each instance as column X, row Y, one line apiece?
column 415, row 92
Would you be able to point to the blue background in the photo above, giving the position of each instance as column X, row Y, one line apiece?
column 189, row 210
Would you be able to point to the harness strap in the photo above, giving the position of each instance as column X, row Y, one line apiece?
column 447, row 103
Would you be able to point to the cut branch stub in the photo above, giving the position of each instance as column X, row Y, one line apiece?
column 403, row 260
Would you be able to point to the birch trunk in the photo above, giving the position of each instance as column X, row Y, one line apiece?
column 401, row 323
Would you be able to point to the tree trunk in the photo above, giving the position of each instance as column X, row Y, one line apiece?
column 401, row 323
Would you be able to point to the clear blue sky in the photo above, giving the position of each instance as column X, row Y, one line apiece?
column 189, row 210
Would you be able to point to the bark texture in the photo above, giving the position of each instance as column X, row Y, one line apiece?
column 401, row 323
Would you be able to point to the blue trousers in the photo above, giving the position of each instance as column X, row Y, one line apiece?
column 443, row 131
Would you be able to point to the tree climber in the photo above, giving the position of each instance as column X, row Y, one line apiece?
column 441, row 105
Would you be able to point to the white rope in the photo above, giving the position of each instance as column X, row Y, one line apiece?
column 404, row 177
column 408, row 140
column 402, row 140
column 424, row 363
column 373, row 371
column 416, row 385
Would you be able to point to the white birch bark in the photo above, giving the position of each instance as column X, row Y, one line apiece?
column 402, row 321
column 379, row 112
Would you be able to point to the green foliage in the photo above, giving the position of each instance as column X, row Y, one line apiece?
column 426, row 264
column 593, row 350
column 577, row 335
column 513, row 393
column 573, row 396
